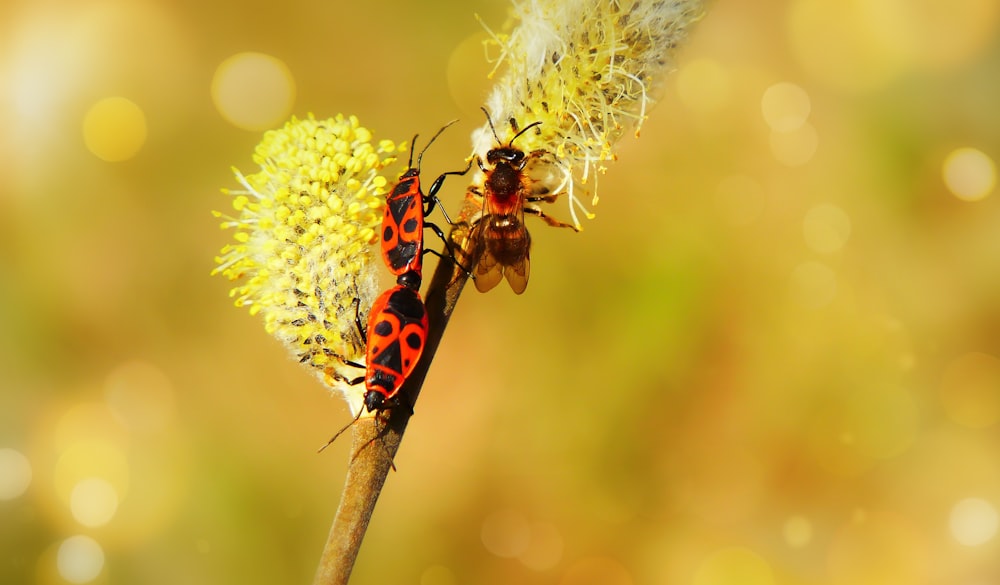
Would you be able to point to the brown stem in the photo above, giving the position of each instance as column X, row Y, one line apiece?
column 375, row 444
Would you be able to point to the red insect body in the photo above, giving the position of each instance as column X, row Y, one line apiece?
column 403, row 221
column 403, row 225
column 397, row 333
column 394, row 341
column 397, row 322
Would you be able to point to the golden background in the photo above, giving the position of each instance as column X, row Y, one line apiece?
column 773, row 357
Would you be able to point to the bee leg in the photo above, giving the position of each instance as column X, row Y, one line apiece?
column 549, row 219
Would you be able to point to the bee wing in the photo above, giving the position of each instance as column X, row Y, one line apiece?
column 487, row 272
column 517, row 275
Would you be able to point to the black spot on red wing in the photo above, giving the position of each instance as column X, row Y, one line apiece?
column 390, row 358
column 388, row 234
column 401, row 256
column 414, row 341
column 383, row 328
column 410, row 226
column 404, row 186
column 399, row 208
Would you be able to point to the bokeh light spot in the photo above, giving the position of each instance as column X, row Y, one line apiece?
column 798, row 531
column 740, row 199
column 973, row 521
column 826, row 228
column 969, row 174
column 80, row 559
column 437, row 575
column 794, row 148
column 93, row 502
column 545, row 549
column 970, row 390
column 506, row 533
column 140, row 396
column 734, row 565
column 596, row 571
column 253, row 91
column 703, row 85
column 785, row 107
column 87, row 421
column 15, row 474
column 114, row 129
column 88, row 459
column 813, row 285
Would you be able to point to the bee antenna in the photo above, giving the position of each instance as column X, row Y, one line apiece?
column 428, row 145
column 490, row 120
column 523, row 130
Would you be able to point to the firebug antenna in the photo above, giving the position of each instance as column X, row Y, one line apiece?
column 420, row 157
column 341, row 431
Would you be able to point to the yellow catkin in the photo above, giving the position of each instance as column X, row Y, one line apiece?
column 589, row 70
column 302, row 247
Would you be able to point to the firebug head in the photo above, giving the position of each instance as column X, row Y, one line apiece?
column 374, row 401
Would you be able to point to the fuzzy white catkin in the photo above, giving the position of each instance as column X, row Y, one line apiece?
column 589, row 72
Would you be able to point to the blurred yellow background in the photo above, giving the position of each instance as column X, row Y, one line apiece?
column 772, row 358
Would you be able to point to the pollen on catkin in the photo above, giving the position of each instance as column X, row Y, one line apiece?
column 589, row 70
column 304, row 226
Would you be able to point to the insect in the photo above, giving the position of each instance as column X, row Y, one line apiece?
column 405, row 209
column 397, row 332
column 397, row 321
column 501, row 240
column 394, row 341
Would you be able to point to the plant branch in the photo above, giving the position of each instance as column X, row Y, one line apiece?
column 374, row 444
